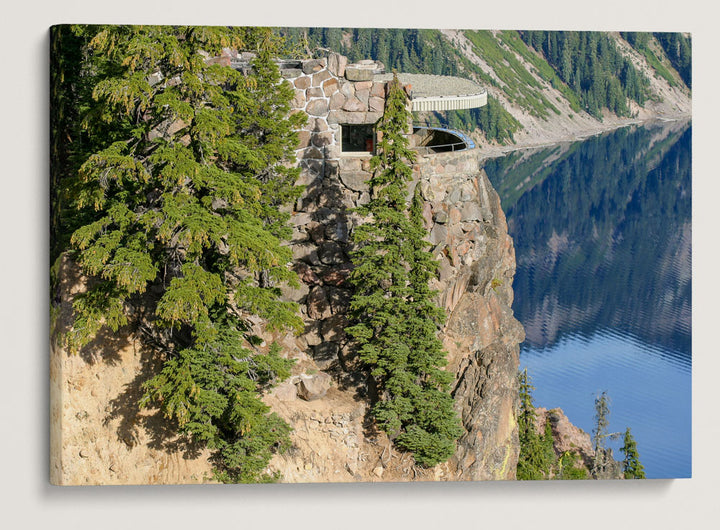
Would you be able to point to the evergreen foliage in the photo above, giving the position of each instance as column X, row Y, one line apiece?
column 416, row 51
column 568, row 468
column 537, row 456
column 395, row 322
column 632, row 468
column 603, row 463
column 180, row 183
column 646, row 45
column 678, row 49
column 590, row 64
column 537, row 459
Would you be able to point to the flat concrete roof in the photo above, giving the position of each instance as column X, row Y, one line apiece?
column 440, row 92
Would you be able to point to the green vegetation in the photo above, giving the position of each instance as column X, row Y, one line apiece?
column 174, row 186
column 545, row 71
column 632, row 468
column 422, row 51
column 678, row 49
column 604, row 466
column 585, row 67
column 643, row 42
column 518, row 84
column 395, row 322
column 601, row 462
column 404, row 50
column 493, row 120
column 537, row 457
column 590, row 64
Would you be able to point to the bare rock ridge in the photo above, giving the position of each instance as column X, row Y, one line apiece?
column 468, row 230
column 100, row 437
column 333, row 438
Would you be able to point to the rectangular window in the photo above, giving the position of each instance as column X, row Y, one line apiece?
column 358, row 138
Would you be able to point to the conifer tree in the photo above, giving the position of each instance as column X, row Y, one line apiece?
column 632, row 468
column 395, row 320
column 537, row 456
column 184, row 191
column 604, row 465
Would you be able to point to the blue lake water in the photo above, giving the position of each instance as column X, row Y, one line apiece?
column 602, row 232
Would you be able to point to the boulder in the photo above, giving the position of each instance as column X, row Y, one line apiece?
column 285, row 391
column 325, row 355
column 330, row 87
column 315, row 386
column 303, row 139
column 353, row 104
column 441, row 217
column 333, row 329
column 306, row 274
column 438, row 234
column 471, row 211
column 290, row 73
column 337, row 100
column 306, row 252
column 337, row 231
column 299, row 100
column 363, row 95
column 337, row 276
column 320, row 77
column 317, row 107
column 312, row 334
column 318, row 305
column 322, row 139
column 312, row 66
column 294, row 295
column 339, row 299
column 330, row 253
column 358, row 73
column 310, row 153
column 315, row 92
column 316, row 125
column 302, row 83
column 355, row 180
column 336, row 63
column 376, row 104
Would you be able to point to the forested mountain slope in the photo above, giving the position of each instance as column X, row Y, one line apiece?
column 543, row 86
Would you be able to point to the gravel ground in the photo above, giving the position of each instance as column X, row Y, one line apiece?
column 425, row 85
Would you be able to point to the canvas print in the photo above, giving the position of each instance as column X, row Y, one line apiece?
column 369, row 255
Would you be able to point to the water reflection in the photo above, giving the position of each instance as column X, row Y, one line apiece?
column 602, row 230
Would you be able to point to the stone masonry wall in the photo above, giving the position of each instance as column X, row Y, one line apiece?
column 326, row 399
column 467, row 229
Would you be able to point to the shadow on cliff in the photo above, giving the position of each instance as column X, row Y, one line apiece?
column 332, row 225
column 67, row 282
column 126, row 407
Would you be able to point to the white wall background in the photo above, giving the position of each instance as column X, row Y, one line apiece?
column 28, row 501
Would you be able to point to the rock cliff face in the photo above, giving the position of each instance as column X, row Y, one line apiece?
column 99, row 436
column 332, row 434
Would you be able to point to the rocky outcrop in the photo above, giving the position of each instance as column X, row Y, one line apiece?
column 326, row 400
column 467, row 229
column 568, row 438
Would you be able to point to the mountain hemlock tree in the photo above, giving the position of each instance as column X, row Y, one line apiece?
column 537, row 456
column 395, row 321
column 186, row 198
column 604, row 465
column 632, row 468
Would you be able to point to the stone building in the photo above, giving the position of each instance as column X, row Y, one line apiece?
column 467, row 229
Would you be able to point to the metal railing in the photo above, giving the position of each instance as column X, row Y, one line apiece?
column 431, row 148
column 462, row 145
